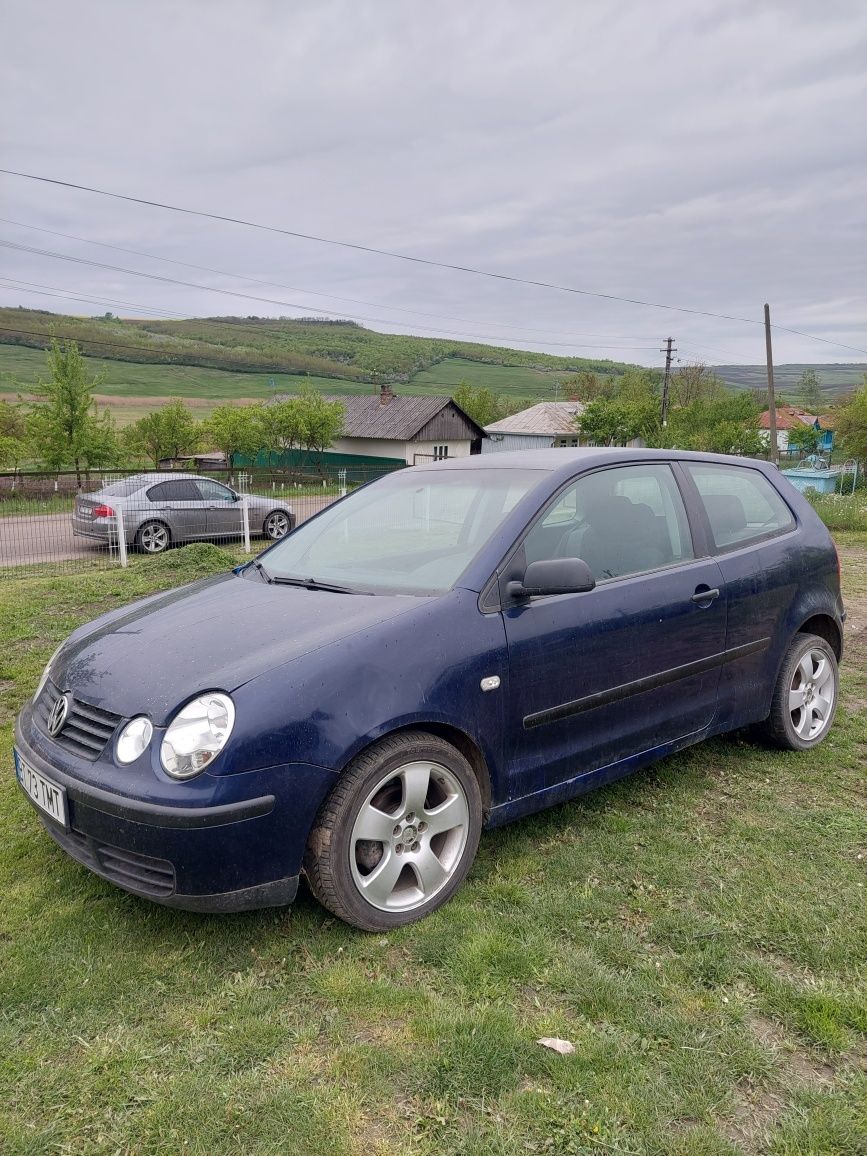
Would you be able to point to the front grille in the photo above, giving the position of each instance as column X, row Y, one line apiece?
column 142, row 874
column 87, row 728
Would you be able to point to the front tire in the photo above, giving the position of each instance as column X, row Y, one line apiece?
column 397, row 835
column 153, row 538
column 805, row 697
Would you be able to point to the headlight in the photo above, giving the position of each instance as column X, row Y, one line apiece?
column 133, row 739
column 46, row 672
column 197, row 734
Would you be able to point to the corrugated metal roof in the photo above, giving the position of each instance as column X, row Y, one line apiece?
column 400, row 419
column 548, row 417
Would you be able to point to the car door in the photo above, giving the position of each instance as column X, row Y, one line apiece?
column 631, row 665
column 223, row 509
column 178, row 503
column 753, row 535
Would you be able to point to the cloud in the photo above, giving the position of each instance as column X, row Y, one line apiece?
column 709, row 156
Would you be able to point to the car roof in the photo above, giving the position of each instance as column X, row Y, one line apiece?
column 568, row 460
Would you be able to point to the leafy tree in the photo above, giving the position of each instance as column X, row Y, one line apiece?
column 725, row 424
column 804, row 438
column 64, row 426
column 168, row 432
column 810, row 392
column 321, row 420
column 281, row 425
column 852, row 423
column 694, row 381
column 13, row 434
column 235, row 430
column 587, row 386
column 481, row 404
column 613, row 422
column 637, row 385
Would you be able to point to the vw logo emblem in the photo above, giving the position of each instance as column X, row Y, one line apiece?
column 58, row 715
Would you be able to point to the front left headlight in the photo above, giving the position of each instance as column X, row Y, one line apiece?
column 197, row 734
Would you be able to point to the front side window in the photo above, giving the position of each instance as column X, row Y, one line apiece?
column 414, row 531
column 213, row 491
column 740, row 502
column 619, row 521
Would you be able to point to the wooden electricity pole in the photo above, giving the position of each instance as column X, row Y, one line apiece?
column 772, row 399
column 669, row 341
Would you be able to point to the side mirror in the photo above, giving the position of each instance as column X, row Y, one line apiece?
column 553, row 576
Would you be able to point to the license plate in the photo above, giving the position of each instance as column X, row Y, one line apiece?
column 47, row 796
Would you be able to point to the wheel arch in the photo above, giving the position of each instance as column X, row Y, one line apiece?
column 151, row 518
column 459, row 739
column 824, row 626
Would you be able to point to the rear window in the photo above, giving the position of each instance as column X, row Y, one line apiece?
column 741, row 504
column 123, row 488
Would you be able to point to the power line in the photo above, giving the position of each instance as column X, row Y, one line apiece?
column 55, row 291
column 413, row 259
column 295, row 289
column 290, row 304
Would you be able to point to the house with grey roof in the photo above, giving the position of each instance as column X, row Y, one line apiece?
column 550, row 423
column 388, row 430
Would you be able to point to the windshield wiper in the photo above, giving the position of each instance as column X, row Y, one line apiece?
column 258, row 565
column 312, row 584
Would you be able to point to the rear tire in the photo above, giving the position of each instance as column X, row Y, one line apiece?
column 153, row 538
column 277, row 525
column 805, row 696
column 397, row 835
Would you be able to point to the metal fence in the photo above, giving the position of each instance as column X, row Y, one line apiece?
column 64, row 523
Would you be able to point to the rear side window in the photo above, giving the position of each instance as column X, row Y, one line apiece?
column 176, row 490
column 741, row 504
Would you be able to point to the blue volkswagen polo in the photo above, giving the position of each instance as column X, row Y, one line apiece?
column 449, row 648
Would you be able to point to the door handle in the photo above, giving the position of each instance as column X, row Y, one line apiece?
column 707, row 595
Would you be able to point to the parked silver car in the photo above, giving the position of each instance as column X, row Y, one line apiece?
column 158, row 510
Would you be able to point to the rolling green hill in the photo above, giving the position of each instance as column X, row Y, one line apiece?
column 835, row 380
column 323, row 349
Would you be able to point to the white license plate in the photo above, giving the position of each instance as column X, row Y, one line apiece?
column 47, row 796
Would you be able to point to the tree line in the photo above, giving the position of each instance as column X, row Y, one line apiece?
column 64, row 428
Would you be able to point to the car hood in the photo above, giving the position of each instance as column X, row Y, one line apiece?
column 213, row 635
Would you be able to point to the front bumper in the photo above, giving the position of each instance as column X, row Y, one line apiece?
column 234, row 855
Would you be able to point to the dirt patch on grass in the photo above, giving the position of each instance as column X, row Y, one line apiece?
column 797, row 1063
column 759, row 1105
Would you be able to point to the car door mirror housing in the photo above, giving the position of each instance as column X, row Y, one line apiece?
column 553, row 576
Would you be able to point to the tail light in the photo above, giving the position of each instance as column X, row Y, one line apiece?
column 103, row 512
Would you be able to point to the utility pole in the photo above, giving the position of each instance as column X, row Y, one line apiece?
column 668, row 351
column 772, row 400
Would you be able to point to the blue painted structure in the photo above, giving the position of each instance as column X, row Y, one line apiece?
column 822, row 481
column 318, row 676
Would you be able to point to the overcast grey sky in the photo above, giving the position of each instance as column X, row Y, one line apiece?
column 705, row 154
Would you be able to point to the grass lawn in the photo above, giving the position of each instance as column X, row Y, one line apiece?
column 697, row 931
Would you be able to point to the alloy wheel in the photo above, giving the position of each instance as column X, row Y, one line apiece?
column 811, row 695
column 408, row 837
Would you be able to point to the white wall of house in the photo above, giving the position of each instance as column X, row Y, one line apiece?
column 454, row 449
column 500, row 443
column 782, row 438
column 401, row 451
column 370, row 447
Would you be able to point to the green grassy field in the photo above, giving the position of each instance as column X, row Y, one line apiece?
column 696, row 931
column 511, row 380
column 132, row 390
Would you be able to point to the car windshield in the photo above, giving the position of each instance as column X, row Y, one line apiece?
column 413, row 532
